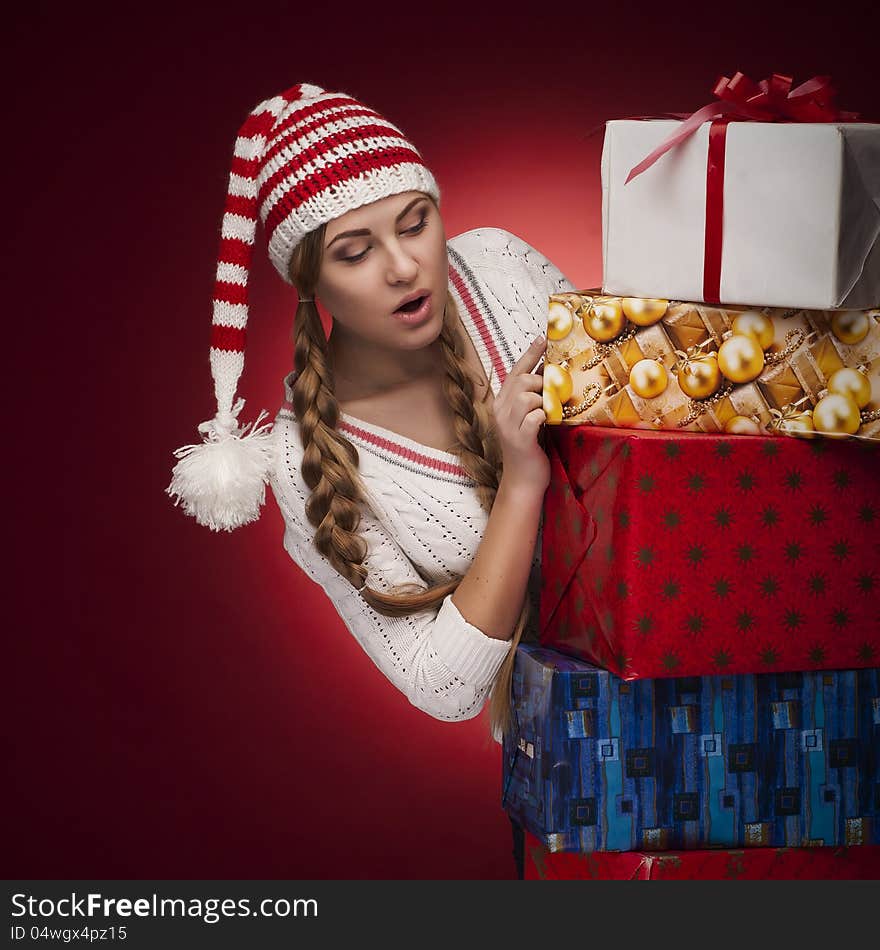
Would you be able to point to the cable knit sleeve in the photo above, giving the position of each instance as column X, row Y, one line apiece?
column 442, row 663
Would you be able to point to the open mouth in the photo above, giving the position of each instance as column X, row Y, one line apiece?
column 413, row 305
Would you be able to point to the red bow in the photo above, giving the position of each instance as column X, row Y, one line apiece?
column 770, row 100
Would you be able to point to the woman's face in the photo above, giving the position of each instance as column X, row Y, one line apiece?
column 400, row 249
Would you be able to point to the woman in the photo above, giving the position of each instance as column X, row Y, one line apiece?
column 405, row 458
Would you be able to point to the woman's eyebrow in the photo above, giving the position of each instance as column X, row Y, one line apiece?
column 361, row 231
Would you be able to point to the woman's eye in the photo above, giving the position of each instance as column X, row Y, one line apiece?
column 415, row 229
column 418, row 227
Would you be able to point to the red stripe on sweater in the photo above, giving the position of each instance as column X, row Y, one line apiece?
column 485, row 334
column 391, row 446
column 402, row 450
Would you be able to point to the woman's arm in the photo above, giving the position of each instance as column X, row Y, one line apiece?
column 520, row 279
column 491, row 593
column 442, row 663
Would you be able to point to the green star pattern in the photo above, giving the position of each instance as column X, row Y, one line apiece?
column 645, row 624
column 794, row 480
column 840, row 618
column 695, row 623
column 769, row 516
column 723, row 517
column 769, row 586
column 722, row 587
column 696, row 482
column 793, row 619
column 841, row 478
column 866, row 583
column 818, row 515
column 671, row 589
column 746, row 480
column 816, row 584
column 671, row 518
column 745, row 621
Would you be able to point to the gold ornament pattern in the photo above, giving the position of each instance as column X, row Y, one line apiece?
column 664, row 364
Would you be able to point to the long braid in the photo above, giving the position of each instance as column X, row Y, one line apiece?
column 330, row 461
column 476, row 442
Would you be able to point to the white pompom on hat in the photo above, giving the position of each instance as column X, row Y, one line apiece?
column 301, row 159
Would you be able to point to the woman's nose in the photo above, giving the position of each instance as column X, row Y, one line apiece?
column 402, row 265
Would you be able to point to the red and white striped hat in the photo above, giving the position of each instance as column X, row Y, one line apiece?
column 302, row 159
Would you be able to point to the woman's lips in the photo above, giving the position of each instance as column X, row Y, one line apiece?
column 417, row 316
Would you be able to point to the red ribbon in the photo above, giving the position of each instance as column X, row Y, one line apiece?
column 738, row 99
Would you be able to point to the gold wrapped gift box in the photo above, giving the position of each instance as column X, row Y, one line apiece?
column 634, row 362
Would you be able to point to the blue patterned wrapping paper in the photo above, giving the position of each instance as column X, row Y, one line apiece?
column 595, row 763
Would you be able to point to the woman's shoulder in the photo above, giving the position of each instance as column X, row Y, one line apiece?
column 497, row 255
column 485, row 240
column 511, row 283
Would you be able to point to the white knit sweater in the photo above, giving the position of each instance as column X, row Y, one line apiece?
column 425, row 523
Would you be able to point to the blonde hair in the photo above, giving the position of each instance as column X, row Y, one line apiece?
column 330, row 461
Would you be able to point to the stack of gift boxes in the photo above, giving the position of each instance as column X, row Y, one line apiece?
column 704, row 700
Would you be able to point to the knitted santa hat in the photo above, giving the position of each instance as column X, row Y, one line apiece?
column 302, row 158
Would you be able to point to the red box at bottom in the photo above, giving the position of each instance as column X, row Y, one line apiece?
column 856, row 863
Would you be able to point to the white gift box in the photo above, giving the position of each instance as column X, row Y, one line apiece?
column 801, row 218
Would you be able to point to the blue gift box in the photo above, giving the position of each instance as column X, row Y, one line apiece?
column 596, row 763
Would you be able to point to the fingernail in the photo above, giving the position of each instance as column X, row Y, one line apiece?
column 538, row 341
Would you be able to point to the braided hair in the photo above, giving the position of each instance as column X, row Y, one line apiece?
column 330, row 461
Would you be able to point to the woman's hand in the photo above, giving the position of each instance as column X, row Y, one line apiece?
column 519, row 415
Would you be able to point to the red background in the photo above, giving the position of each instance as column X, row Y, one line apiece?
column 186, row 704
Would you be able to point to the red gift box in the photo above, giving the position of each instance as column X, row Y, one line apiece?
column 692, row 554
column 755, row 864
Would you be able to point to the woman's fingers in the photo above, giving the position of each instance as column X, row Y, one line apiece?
column 529, row 400
column 524, row 382
column 535, row 419
column 527, row 362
